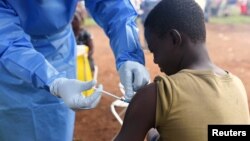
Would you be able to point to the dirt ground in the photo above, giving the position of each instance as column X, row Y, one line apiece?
column 228, row 45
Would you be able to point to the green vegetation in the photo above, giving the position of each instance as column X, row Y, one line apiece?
column 89, row 22
column 233, row 19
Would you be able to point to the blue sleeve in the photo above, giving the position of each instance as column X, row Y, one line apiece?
column 17, row 53
column 117, row 18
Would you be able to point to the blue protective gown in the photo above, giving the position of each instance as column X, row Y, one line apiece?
column 37, row 46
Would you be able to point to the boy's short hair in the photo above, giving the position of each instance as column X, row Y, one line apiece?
column 185, row 16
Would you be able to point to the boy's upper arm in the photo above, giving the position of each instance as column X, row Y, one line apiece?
column 140, row 115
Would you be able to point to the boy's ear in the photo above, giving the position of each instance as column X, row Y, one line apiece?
column 176, row 36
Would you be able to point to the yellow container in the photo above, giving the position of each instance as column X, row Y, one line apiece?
column 83, row 68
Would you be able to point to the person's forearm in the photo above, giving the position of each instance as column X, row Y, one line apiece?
column 90, row 45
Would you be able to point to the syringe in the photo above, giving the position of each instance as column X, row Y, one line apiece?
column 112, row 95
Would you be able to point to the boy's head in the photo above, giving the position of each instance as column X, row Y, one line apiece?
column 169, row 27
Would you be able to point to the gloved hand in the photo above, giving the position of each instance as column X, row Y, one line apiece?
column 133, row 75
column 70, row 90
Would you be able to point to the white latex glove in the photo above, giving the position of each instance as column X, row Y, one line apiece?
column 133, row 76
column 70, row 90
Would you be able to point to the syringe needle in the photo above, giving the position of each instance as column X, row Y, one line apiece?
column 110, row 94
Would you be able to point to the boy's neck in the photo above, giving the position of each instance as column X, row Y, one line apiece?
column 196, row 57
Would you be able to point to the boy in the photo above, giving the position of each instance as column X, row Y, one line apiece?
column 83, row 37
column 194, row 93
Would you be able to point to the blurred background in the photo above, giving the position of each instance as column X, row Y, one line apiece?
column 228, row 42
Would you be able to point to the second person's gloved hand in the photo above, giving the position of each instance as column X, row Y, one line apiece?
column 133, row 76
column 70, row 90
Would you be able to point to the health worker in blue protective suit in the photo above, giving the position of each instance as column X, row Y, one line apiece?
column 117, row 18
column 37, row 65
column 37, row 71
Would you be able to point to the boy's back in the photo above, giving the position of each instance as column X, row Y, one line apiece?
column 190, row 100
